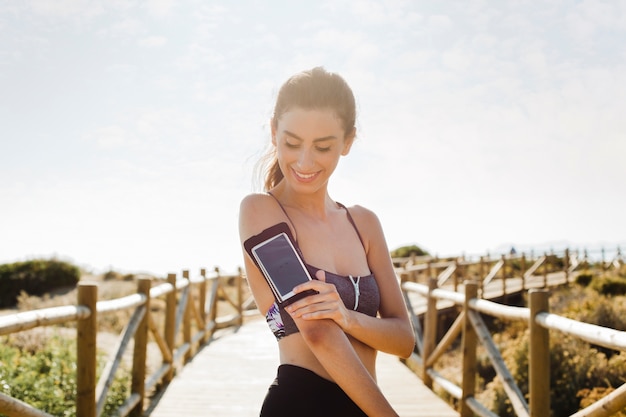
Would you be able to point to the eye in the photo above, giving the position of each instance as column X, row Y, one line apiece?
column 291, row 145
column 323, row 149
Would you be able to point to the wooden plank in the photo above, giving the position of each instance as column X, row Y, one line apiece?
column 230, row 376
column 407, row 393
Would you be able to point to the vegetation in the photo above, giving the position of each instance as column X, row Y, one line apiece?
column 35, row 277
column 406, row 251
column 41, row 371
column 38, row 366
column 580, row 373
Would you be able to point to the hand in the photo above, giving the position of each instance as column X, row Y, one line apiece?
column 327, row 304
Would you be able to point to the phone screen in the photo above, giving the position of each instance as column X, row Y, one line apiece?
column 282, row 264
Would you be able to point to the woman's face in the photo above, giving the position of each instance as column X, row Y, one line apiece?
column 308, row 145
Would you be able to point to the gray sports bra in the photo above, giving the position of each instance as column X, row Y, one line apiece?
column 357, row 293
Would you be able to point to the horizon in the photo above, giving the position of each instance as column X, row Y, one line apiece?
column 130, row 130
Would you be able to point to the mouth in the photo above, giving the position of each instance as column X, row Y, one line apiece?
column 304, row 176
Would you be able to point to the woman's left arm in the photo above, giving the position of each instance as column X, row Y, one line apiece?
column 391, row 332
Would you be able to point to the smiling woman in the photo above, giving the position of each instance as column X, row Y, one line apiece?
column 305, row 91
column 328, row 340
column 308, row 144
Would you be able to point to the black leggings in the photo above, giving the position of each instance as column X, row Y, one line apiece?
column 300, row 392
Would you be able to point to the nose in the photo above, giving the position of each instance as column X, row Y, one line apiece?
column 305, row 159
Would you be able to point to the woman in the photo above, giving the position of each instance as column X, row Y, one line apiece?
column 327, row 341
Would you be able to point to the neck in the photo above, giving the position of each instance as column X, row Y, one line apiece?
column 315, row 204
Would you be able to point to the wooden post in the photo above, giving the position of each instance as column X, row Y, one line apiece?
column 86, row 347
column 430, row 330
column 429, row 271
column 604, row 266
column 240, row 295
column 187, row 319
column 545, row 270
column 470, row 342
column 523, row 271
column 503, row 257
column 566, row 265
column 170, row 324
column 218, row 283
column 482, row 273
column 202, row 304
column 140, row 349
column 456, row 274
column 539, row 356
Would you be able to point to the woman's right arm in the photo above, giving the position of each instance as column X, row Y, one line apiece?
column 255, row 215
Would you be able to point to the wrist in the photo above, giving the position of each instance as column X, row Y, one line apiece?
column 350, row 321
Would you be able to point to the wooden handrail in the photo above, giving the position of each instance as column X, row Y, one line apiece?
column 470, row 326
column 191, row 318
column 187, row 304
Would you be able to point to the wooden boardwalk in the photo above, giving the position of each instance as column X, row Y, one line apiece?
column 229, row 378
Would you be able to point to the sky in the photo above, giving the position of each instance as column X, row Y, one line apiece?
column 129, row 130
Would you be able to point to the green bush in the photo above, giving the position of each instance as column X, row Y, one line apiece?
column 35, row 277
column 609, row 285
column 46, row 379
column 406, row 251
column 579, row 373
column 584, row 279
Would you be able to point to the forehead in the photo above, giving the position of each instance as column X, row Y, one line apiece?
column 314, row 123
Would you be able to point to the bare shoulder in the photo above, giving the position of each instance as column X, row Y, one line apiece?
column 256, row 213
column 364, row 217
column 369, row 226
column 254, row 201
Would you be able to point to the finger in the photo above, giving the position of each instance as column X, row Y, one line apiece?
column 318, row 285
column 314, row 303
column 317, row 310
column 311, row 299
column 321, row 275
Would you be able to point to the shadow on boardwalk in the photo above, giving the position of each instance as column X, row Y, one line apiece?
column 230, row 376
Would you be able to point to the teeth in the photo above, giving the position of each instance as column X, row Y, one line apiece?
column 304, row 176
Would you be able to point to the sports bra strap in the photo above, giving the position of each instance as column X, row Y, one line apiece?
column 352, row 223
column 350, row 219
column 288, row 218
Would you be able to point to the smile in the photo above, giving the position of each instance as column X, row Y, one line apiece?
column 304, row 176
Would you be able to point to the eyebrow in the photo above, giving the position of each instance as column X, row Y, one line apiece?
column 322, row 139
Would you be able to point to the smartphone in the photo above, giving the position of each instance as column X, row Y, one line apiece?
column 282, row 266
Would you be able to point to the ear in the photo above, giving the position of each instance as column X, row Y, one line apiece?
column 348, row 140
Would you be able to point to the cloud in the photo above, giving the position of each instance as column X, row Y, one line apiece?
column 477, row 120
column 111, row 137
column 159, row 8
column 77, row 10
column 166, row 82
column 439, row 23
column 124, row 27
column 152, row 41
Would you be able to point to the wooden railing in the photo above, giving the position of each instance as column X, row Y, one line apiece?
column 191, row 318
column 469, row 325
